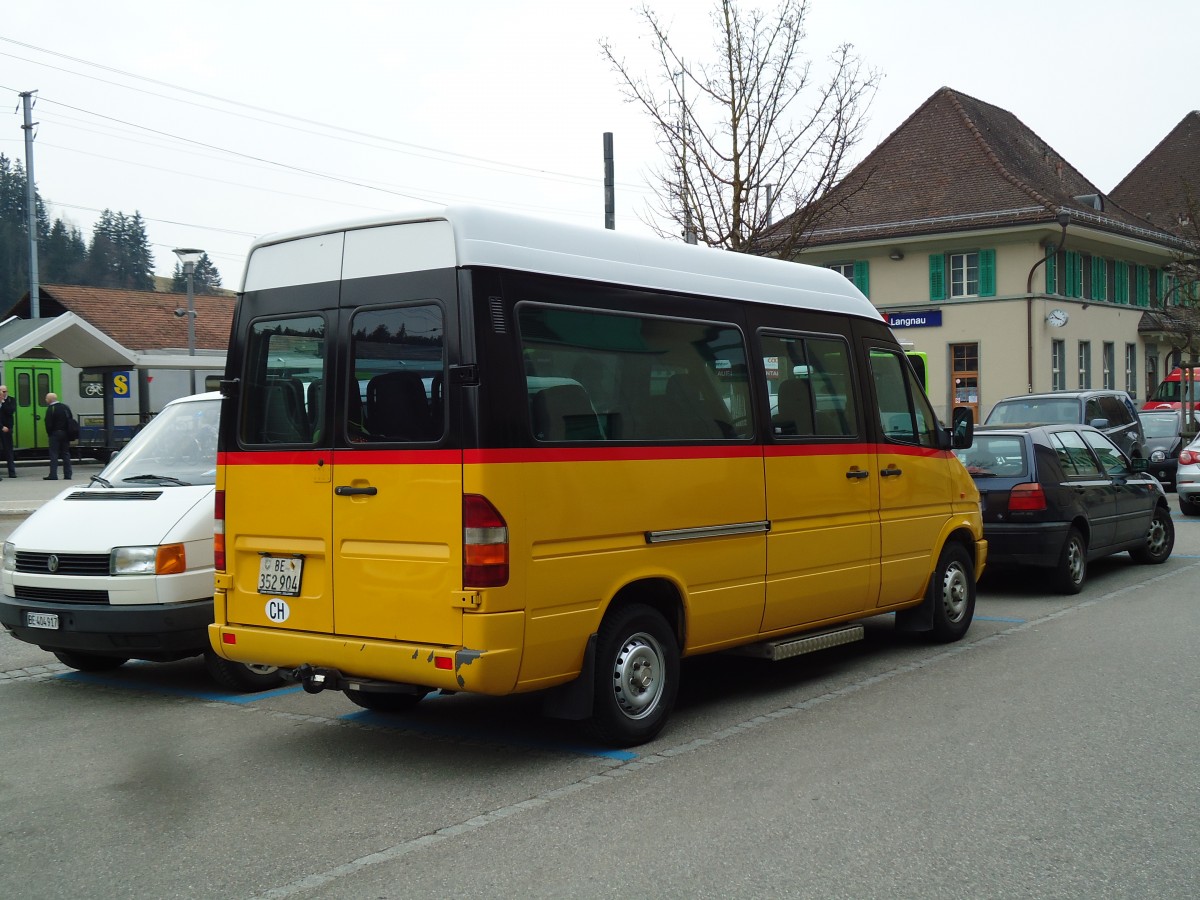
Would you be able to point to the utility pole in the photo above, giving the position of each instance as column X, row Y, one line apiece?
column 610, row 189
column 689, row 230
column 35, row 311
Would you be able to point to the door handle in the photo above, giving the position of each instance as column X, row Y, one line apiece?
column 857, row 473
column 891, row 472
column 344, row 490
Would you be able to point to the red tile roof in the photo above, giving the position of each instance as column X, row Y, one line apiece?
column 139, row 320
column 956, row 164
column 1157, row 188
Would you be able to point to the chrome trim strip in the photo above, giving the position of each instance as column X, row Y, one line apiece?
column 706, row 531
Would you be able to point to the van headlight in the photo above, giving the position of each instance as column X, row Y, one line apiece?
column 10, row 557
column 167, row 559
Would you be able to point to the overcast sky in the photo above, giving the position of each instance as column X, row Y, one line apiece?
column 224, row 120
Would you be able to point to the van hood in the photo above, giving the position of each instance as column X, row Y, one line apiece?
column 95, row 519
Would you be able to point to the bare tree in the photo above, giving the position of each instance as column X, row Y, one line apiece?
column 750, row 132
column 1178, row 317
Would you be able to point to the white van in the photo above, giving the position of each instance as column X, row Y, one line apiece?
column 123, row 568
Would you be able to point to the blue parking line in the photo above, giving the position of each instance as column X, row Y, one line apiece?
column 221, row 696
column 478, row 734
column 999, row 619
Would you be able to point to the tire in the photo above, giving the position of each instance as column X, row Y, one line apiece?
column 384, row 702
column 1189, row 507
column 1160, row 539
column 951, row 593
column 243, row 678
column 1071, row 572
column 89, row 662
column 636, row 678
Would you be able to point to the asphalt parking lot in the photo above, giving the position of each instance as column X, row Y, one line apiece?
column 1050, row 754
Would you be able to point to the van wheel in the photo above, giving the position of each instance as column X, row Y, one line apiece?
column 89, row 662
column 385, row 702
column 637, row 676
column 952, row 594
column 244, row 678
column 1071, row 572
column 1160, row 539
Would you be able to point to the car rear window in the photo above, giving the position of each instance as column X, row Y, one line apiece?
column 1054, row 411
column 995, row 455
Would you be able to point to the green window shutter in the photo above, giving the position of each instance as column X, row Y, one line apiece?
column 1143, row 286
column 1051, row 271
column 1120, row 282
column 862, row 278
column 987, row 273
column 1099, row 278
column 937, row 276
column 1076, row 275
column 1072, row 285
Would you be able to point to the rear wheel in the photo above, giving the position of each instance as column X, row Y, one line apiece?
column 1160, row 539
column 1071, row 572
column 385, row 702
column 952, row 593
column 89, row 662
column 637, row 676
column 244, row 678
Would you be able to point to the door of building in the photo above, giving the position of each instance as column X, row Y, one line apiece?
column 964, row 372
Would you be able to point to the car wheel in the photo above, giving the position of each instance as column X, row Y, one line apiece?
column 1189, row 507
column 1160, row 539
column 384, row 701
column 1072, row 564
column 952, row 594
column 90, row 662
column 636, row 678
column 244, row 678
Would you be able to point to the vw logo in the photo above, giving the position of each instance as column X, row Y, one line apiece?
column 52, row 563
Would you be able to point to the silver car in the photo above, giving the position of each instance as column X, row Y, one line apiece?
column 1187, row 479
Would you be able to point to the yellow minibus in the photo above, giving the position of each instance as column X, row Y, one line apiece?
column 472, row 451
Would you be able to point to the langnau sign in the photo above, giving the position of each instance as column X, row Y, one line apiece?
column 928, row 319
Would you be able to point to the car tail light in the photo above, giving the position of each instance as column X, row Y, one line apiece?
column 1028, row 497
column 219, row 531
column 1188, row 457
column 485, row 543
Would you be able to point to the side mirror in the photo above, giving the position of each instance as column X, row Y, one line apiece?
column 1099, row 423
column 962, row 432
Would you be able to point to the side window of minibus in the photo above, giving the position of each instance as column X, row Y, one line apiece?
column 594, row 375
column 904, row 413
column 809, row 385
column 283, row 386
column 396, row 388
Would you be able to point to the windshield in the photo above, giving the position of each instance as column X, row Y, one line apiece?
column 178, row 446
column 1157, row 425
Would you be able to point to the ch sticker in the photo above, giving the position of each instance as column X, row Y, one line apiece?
column 278, row 610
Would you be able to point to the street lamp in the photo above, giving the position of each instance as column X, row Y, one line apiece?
column 1064, row 219
column 189, row 257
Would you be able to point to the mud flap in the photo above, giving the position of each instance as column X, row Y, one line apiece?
column 917, row 619
column 574, row 700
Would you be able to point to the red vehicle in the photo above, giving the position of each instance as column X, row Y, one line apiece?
column 1170, row 392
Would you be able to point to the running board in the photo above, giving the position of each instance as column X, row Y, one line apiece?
column 787, row 647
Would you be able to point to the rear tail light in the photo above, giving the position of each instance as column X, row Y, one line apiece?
column 1188, row 457
column 485, row 543
column 1028, row 497
column 219, row 531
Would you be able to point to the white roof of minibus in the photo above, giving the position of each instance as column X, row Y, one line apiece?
column 486, row 237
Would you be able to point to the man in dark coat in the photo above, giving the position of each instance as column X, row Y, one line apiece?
column 8, row 412
column 57, row 415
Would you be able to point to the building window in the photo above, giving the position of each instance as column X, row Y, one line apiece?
column 959, row 275
column 1058, row 365
column 856, row 272
column 1131, row 369
column 1085, row 365
column 1108, row 352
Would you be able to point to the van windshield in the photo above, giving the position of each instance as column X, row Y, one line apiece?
column 178, row 446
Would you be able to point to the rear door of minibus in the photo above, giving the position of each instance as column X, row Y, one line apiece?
column 350, row 440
